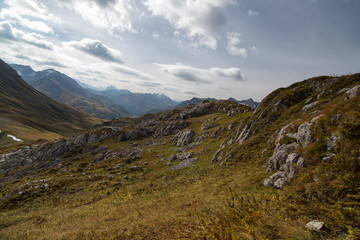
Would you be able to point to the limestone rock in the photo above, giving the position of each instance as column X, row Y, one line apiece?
column 328, row 157
column 309, row 106
column 280, row 155
column 273, row 178
column 208, row 124
column 353, row 92
column 279, row 184
column 315, row 226
column 184, row 164
column 184, row 137
column 331, row 142
column 304, row 134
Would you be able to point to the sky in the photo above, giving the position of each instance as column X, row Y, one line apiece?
column 184, row 48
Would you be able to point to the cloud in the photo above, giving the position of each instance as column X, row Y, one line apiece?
column 131, row 72
column 155, row 35
column 8, row 32
column 97, row 49
column 233, row 73
column 105, row 3
column 232, row 45
column 190, row 93
column 199, row 75
column 29, row 9
column 20, row 56
column 150, row 84
column 255, row 50
column 201, row 20
column 51, row 63
column 111, row 15
column 252, row 13
column 183, row 72
column 12, row 16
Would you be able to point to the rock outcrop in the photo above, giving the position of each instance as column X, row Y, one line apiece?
column 184, row 137
column 284, row 160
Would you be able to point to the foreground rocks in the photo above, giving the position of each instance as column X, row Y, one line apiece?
column 315, row 226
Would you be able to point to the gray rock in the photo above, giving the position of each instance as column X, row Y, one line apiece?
column 304, row 134
column 244, row 134
column 335, row 118
column 309, row 100
column 208, row 124
column 279, row 184
column 184, row 137
column 273, row 178
column 280, row 155
column 293, row 163
column 300, row 163
column 315, row 226
column 172, row 127
column 328, row 157
column 331, row 142
column 81, row 140
column 103, row 133
column 184, row 164
column 98, row 158
column 309, row 106
column 353, row 92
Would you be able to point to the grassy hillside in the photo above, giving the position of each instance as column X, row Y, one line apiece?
column 198, row 172
column 24, row 110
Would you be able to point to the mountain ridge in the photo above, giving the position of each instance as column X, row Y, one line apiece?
column 24, row 105
column 138, row 104
column 63, row 88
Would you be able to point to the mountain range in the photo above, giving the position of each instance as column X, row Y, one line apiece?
column 105, row 104
column 62, row 88
column 138, row 104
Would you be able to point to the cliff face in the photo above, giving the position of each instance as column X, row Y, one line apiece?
column 293, row 160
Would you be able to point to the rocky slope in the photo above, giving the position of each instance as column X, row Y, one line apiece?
column 62, row 88
column 249, row 102
column 289, row 169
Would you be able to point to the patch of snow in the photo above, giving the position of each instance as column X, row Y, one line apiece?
column 14, row 138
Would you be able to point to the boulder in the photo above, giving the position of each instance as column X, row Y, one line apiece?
column 353, row 92
column 331, row 142
column 309, row 106
column 208, row 124
column 328, row 157
column 293, row 162
column 184, row 164
column 315, row 226
column 184, row 137
column 273, row 178
column 280, row 155
column 304, row 134
column 279, row 184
